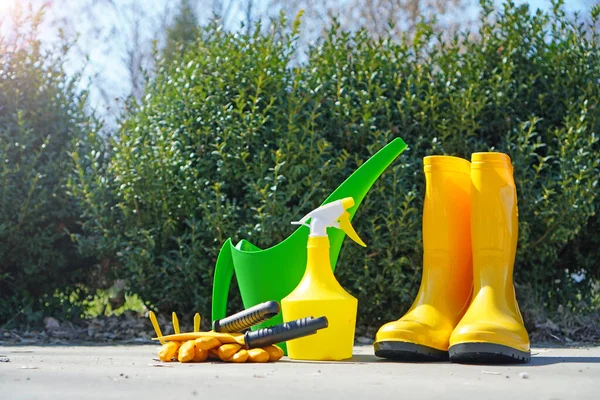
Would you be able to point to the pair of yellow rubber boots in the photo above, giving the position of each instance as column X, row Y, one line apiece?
column 466, row 309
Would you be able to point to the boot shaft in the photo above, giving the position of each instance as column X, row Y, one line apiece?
column 494, row 220
column 447, row 265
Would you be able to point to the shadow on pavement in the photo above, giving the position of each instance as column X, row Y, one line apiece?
column 549, row 360
column 536, row 361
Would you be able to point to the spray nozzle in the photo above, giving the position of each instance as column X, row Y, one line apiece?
column 331, row 214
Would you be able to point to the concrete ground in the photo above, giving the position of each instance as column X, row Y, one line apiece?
column 132, row 372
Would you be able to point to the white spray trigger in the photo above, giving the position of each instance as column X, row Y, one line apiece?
column 332, row 214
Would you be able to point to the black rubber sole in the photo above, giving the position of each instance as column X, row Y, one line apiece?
column 487, row 353
column 410, row 352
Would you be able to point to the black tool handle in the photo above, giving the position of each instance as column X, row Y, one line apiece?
column 286, row 331
column 245, row 319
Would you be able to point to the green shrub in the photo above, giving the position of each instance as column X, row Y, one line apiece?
column 231, row 140
column 40, row 115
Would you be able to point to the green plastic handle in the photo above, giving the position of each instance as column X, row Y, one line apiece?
column 222, row 280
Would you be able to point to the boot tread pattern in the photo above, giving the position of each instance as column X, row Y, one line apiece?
column 409, row 352
column 487, row 353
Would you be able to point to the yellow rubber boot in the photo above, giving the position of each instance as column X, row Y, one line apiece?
column 422, row 333
column 492, row 330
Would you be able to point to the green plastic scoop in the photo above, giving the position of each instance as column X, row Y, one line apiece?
column 272, row 274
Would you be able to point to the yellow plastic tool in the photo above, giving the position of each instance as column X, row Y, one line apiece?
column 222, row 337
column 492, row 329
column 237, row 348
column 233, row 324
column 197, row 322
column 175, row 323
column 423, row 333
column 156, row 327
column 230, row 330
column 259, row 338
column 319, row 293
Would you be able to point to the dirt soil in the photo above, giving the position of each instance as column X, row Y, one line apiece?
column 127, row 328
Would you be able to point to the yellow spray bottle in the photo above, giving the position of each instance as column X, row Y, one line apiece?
column 319, row 293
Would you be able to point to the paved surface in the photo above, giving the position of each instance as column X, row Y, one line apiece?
column 130, row 372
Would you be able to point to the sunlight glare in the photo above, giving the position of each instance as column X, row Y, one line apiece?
column 6, row 6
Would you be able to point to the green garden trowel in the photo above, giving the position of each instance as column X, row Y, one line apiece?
column 272, row 274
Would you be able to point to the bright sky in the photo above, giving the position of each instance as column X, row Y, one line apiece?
column 6, row 8
column 5, row 4
column 105, row 68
